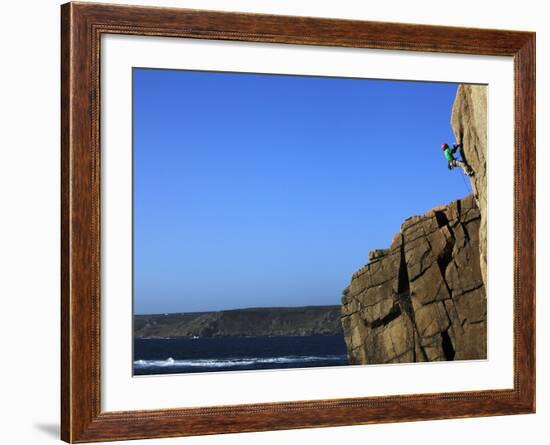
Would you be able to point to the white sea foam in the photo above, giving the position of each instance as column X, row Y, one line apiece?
column 231, row 362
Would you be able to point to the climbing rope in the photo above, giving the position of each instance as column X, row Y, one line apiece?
column 468, row 186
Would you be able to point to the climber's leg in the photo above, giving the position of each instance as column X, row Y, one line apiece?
column 467, row 170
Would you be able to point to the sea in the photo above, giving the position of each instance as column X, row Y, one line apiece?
column 213, row 354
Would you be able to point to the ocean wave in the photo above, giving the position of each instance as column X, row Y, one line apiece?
column 232, row 362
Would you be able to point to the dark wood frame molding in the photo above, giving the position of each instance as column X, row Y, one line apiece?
column 82, row 25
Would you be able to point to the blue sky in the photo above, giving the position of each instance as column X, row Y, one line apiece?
column 266, row 190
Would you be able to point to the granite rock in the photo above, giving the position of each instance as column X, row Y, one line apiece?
column 469, row 123
column 423, row 299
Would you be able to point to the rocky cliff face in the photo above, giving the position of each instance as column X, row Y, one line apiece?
column 288, row 321
column 423, row 299
column 469, row 123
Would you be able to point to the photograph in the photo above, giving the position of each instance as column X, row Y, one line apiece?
column 292, row 219
column 289, row 221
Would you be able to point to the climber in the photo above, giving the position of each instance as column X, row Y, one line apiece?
column 452, row 161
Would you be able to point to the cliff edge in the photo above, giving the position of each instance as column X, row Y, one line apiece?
column 469, row 123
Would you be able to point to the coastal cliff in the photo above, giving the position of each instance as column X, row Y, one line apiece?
column 249, row 322
column 424, row 298
column 469, row 123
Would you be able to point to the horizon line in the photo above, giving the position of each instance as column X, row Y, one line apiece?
column 239, row 309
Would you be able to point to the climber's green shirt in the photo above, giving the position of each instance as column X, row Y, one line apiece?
column 449, row 153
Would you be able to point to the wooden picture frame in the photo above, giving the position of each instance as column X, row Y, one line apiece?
column 82, row 25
